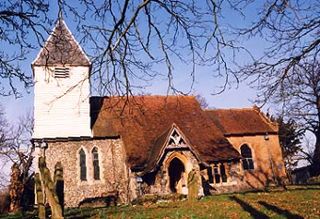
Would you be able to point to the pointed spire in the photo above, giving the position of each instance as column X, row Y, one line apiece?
column 61, row 48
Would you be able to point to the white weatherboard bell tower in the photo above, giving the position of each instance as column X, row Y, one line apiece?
column 61, row 92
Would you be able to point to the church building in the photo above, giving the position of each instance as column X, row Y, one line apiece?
column 140, row 145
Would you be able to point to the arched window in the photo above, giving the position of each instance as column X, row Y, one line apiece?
column 247, row 161
column 83, row 167
column 95, row 160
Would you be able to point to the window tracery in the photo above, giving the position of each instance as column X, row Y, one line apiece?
column 176, row 140
column 247, row 160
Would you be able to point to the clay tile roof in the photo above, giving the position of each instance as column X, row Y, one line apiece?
column 61, row 48
column 242, row 121
column 143, row 122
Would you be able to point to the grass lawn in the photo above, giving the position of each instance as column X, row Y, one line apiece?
column 297, row 202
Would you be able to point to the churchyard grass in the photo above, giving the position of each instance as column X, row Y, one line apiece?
column 296, row 202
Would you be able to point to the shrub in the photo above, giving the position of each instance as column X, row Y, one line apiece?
column 4, row 201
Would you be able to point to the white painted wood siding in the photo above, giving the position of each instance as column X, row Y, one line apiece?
column 61, row 105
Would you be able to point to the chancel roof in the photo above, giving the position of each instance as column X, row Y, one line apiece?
column 247, row 121
column 61, row 48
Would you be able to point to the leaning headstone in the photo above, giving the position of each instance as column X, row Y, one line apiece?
column 39, row 194
column 59, row 183
column 193, row 185
column 50, row 192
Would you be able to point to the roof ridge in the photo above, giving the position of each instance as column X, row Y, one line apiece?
column 271, row 124
column 235, row 109
column 147, row 96
column 156, row 95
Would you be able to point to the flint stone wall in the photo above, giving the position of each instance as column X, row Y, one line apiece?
column 113, row 169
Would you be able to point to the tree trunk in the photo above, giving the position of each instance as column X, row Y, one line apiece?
column 315, row 167
column 315, row 170
column 15, row 189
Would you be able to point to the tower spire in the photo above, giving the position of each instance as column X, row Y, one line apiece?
column 61, row 48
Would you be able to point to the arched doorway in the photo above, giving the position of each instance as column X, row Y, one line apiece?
column 176, row 171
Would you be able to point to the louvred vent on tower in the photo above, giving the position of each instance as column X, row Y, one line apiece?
column 61, row 72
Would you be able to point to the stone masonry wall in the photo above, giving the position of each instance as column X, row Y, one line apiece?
column 268, row 162
column 114, row 174
column 113, row 170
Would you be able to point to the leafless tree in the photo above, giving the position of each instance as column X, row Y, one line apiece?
column 16, row 150
column 134, row 41
column 306, row 153
column 288, row 71
column 299, row 96
column 23, row 24
column 291, row 31
column 202, row 101
column 128, row 40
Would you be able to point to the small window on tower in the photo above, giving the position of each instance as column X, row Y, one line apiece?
column 61, row 72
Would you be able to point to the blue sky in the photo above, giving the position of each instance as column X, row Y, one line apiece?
column 206, row 83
